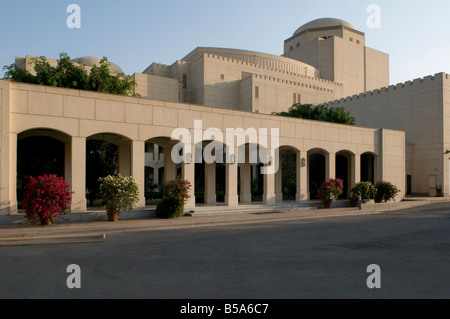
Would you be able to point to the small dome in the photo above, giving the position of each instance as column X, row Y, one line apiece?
column 323, row 23
column 93, row 60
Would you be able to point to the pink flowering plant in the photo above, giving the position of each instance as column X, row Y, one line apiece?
column 175, row 196
column 331, row 189
column 47, row 196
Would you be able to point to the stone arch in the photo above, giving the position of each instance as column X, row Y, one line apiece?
column 106, row 154
column 287, row 178
column 41, row 151
column 317, row 169
column 345, row 170
column 369, row 167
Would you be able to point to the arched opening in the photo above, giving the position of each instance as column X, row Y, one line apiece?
column 159, row 167
column 368, row 167
column 40, row 152
column 106, row 154
column 287, row 175
column 210, row 173
column 344, row 161
column 251, row 180
column 317, row 171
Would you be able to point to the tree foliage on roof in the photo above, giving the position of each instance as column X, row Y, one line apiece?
column 73, row 76
column 319, row 113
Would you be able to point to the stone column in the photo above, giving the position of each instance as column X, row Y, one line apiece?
column 331, row 166
column 210, row 184
column 302, row 177
column 12, row 174
column 231, row 183
column 279, row 183
column 138, row 170
column 269, row 189
column 169, row 166
column 246, row 183
column 78, row 174
column 124, row 160
column 189, row 175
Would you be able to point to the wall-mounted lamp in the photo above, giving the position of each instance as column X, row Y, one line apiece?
column 188, row 158
column 447, row 152
column 232, row 159
column 303, row 162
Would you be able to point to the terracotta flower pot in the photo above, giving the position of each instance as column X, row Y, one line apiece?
column 353, row 202
column 113, row 216
column 327, row 203
column 45, row 221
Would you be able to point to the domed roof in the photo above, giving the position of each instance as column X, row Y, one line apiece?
column 323, row 23
column 94, row 60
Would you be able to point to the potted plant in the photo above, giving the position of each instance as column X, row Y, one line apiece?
column 330, row 190
column 386, row 192
column 364, row 192
column 46, row 197
column 175, row 196
column 119, row 194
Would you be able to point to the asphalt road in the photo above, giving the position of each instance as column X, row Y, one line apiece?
column 323, row 258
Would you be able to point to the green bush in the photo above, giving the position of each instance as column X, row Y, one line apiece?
column 169, row 208
column 119, row 193
column 175, row 195
column 364, row 191
column 385, row 192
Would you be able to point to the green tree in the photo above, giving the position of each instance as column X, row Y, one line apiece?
column 319, row 113
column 73, row 76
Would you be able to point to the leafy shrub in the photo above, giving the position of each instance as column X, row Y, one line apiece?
column 385, row 191
column 175, row 195
column 119, row 193
column 364, row 191
column 169, row 208
column 331, row 189
column 47, row 196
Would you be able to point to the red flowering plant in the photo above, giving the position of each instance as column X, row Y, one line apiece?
column 331, row 189
column 175, row 195
column 46, row 197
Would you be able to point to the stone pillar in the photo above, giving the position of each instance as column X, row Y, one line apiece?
column 231, row 183
column 355, row 170
column 279, row 183
column 210, row 184
column 331, row 166
column 77, row 175
column 189, row 175
column 169, row 166
column 124, row 160
column 138, row 170
column 246, row 183
column 269, row 189
column 12, row 173
column 302, row 177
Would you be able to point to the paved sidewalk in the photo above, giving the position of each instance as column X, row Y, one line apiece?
column 98, row 228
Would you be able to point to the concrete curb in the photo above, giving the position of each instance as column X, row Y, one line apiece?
column 79, row 232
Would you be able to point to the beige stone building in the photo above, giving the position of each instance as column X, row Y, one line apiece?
column 421, row 108
column 224, row 89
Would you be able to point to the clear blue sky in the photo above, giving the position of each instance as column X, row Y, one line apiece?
column 135, row 33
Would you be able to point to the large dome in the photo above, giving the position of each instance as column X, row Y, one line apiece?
column 94, row 60
column 323, row 23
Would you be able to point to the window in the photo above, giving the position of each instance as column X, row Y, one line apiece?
column 184, row 81
column 357, row 41
column 256, row 92
column 294, row 101
column 351, row 39
column 222, row 77
column 299, row 98
column 298, row 44
column 292, row 47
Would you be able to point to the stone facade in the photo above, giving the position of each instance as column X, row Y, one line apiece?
column 74, row 116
